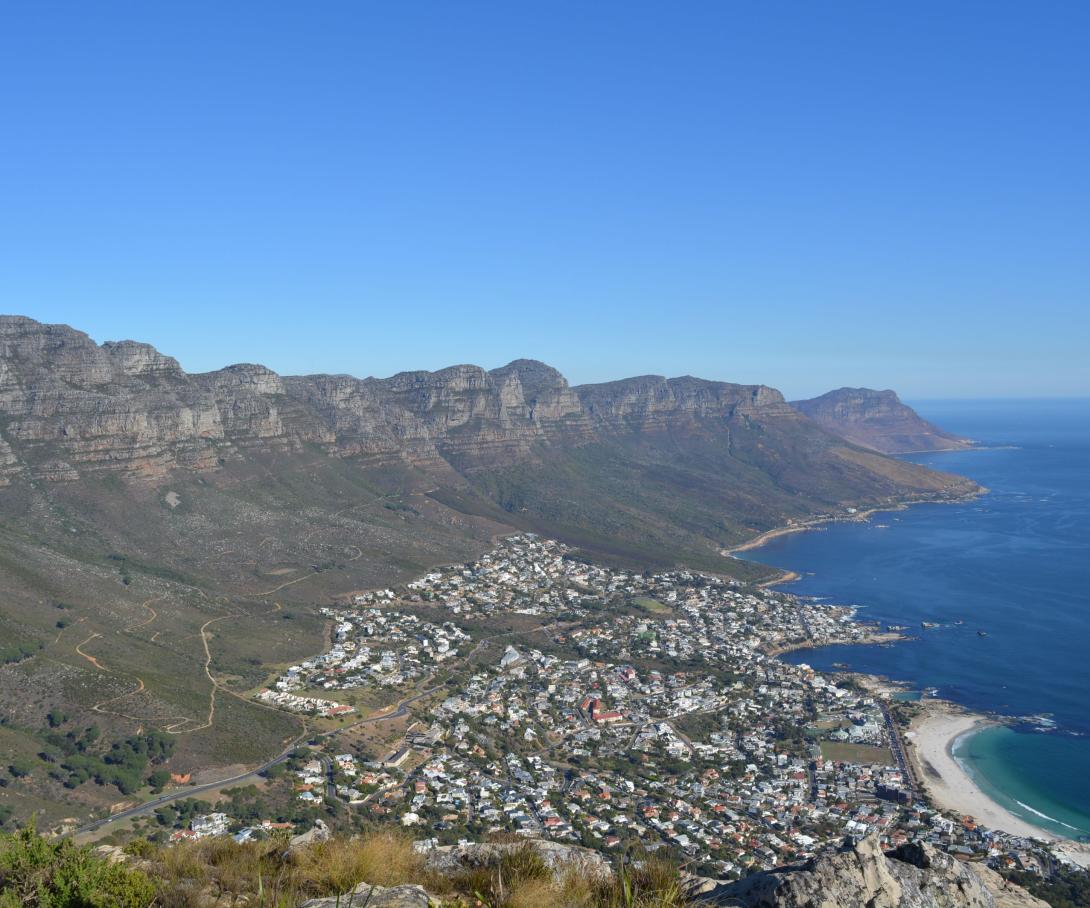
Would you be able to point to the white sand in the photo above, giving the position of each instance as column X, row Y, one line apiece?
column 931, row 739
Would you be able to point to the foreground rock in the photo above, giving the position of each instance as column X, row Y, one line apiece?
column 319, row 832
column 864, row 877
column 375, row 897
column 558, row 858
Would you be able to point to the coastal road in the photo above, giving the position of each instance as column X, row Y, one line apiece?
column 898, row 748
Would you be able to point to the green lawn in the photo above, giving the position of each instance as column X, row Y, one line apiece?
column 651, row 605
column 856, row 753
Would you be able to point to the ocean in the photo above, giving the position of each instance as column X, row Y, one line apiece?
column 1013, row 564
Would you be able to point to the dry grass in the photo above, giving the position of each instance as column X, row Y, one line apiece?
column 263, row 875
column 649, row 883
column 508, row 882
column 384, row 859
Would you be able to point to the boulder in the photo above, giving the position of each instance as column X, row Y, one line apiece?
column 559, row 858
column 367, row 896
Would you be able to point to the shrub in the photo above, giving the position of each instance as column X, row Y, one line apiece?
column 21, row 767
column 649, row 883
column 38, row 873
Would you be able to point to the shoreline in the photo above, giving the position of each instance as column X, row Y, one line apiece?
column 875, row 639
column 931, row 740
column 786, row 575
column 930, row 743
column 941, row 724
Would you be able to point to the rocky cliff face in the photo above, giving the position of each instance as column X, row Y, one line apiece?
column 70, row 406
column 863, row 877
column 877, row 420
column 653, row 403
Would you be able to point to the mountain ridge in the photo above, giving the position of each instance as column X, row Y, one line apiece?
column 130, row 391
column 648, row 464
column 645, row 470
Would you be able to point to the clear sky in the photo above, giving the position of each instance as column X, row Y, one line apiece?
column 805, row 194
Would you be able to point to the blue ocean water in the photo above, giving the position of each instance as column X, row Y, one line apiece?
column 1014, row 564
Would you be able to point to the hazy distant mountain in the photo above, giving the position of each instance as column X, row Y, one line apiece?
column 877, row 420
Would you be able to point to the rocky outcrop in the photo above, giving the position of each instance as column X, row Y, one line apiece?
column 651, row 402
column 877, row 420
column 559, row 858
column 913, row 876
column 366, row 896
column 317, row 833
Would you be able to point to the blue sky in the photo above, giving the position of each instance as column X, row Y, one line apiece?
column 803, row 194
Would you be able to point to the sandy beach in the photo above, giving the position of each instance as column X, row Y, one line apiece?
column 930, row 741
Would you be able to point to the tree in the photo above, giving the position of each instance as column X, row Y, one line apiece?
column 158, row 780
column 21, row 767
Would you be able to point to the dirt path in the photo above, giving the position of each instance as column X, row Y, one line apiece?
column 154, row 614
column 89, row 658
column 57, row 639
column 205, row 637
column 140, row 688
column 177, row 724
column 185, row 724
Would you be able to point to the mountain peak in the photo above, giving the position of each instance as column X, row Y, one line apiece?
column 877, row 420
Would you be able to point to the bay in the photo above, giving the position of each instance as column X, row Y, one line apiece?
column 1006, row 578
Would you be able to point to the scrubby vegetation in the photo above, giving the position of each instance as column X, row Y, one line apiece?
column 40, row 873
column 16, row 652
column 123, row 765
column 1064, row 889
column 521, row 879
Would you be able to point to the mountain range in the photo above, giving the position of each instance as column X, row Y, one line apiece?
column 164, row 536
column 648, row 469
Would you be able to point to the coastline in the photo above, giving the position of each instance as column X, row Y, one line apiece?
column 874, row 639
column 816, row 523
column 941, row 724
column 813, row 523
column 930, row 744
column 930, row 741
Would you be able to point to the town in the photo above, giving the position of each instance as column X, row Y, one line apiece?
column 643, row 709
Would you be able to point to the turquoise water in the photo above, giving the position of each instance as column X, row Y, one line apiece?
column 1015, row 565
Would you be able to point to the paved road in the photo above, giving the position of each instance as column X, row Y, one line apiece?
column 897, row 746
column 191, row 792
